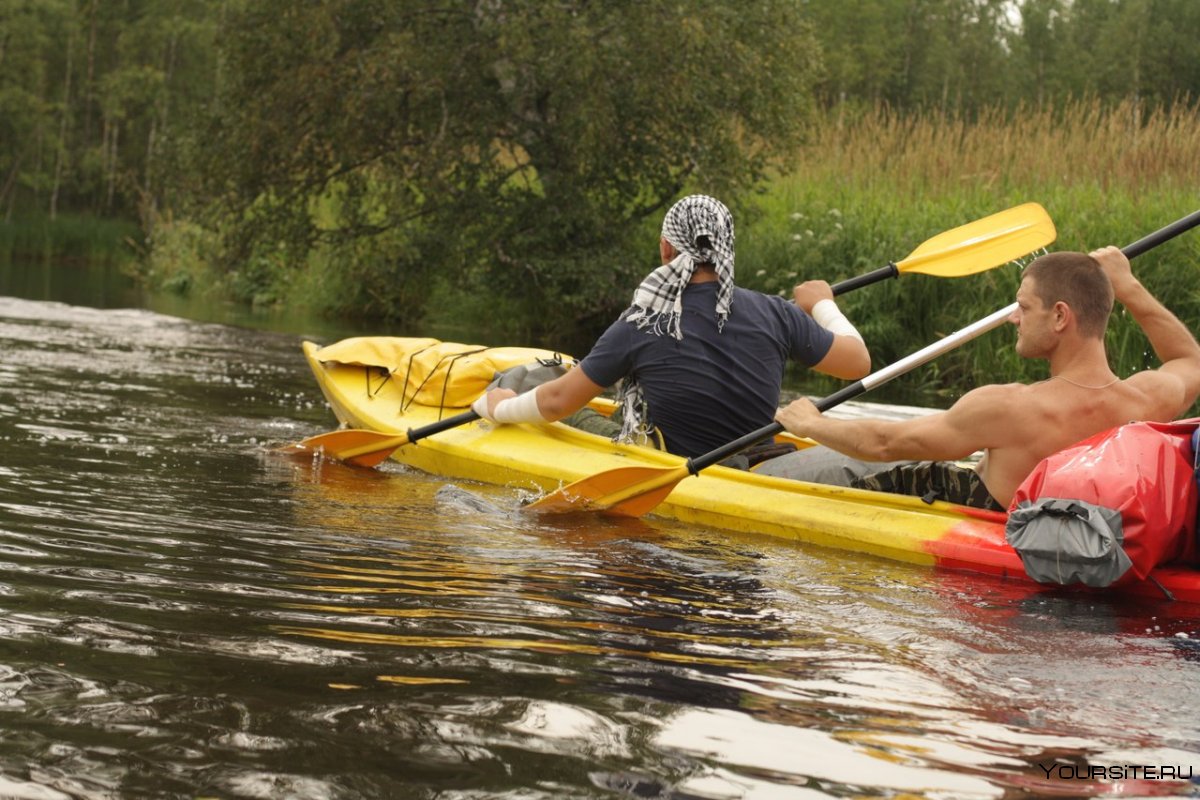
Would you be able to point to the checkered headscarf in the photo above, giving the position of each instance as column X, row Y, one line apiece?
column 701, row 229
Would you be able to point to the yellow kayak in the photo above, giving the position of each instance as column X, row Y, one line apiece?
column 391, row 396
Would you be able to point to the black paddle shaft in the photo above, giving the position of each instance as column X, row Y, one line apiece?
column 881, row 274
column 752, row 438
column 1162, row 234
column 415, row 434
column 850, row 391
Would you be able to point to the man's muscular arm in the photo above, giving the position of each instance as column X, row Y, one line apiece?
column 974, row 423
column 1172, row 341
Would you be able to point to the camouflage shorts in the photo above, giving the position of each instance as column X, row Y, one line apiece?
column 585, row 419
column 932, row 480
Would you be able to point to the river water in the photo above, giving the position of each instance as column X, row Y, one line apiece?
column 185, row 612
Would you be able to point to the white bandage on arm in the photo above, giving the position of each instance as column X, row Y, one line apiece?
column 522, row 408
column 830, row 317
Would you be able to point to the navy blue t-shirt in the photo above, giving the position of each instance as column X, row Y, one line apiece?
column 711, row 388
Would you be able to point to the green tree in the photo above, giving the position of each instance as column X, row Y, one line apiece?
column 90, row 92
column 1175, row 34
column 31, row 102
column 862, row 58
column 945, row 54
column 1037, row 44
column 150, row 67
column 522, row 147
column 1111, row 49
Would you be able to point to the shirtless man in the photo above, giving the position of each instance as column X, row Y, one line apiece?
column 1063, row 306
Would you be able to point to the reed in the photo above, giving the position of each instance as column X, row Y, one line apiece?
column 871, row 185
column 68, row 237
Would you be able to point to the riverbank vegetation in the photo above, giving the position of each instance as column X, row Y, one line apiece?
column 74, row 237
column 502, row 167
column 868, row 188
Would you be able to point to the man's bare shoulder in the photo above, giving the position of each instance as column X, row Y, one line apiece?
column 987, row 412
column 1006, row 406
column 1158, row 394
column 1000, row 394
column 1154, row 380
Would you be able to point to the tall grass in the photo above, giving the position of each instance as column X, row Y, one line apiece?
column 870, row 186
column 68, row 237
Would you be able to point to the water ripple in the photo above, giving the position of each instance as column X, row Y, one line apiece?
column 186, row 612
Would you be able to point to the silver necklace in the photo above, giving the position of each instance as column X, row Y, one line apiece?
column 1084, row 385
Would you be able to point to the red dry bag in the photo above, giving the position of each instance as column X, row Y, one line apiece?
column 1110, row 508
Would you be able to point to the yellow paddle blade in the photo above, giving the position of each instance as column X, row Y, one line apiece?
column 354, row 446
column 983, row 244
column 626, row 492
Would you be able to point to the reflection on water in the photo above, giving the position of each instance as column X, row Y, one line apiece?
column 186, row 612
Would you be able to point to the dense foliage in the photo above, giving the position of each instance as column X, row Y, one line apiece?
column 511, row 158
column 967, row 55
column 92, row 97
column 516, row 145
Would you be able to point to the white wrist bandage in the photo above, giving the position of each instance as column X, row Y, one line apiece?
column 830, row 317
column 522, row 408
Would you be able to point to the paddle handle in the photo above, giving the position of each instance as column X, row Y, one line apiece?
column 1162, row 234
column 859, row 281
column 441, row 425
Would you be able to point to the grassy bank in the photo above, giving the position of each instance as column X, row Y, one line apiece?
column 870, row 187
column 68, row 237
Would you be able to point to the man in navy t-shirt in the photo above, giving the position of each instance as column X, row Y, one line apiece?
column 711, row 386
column 697, row 357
